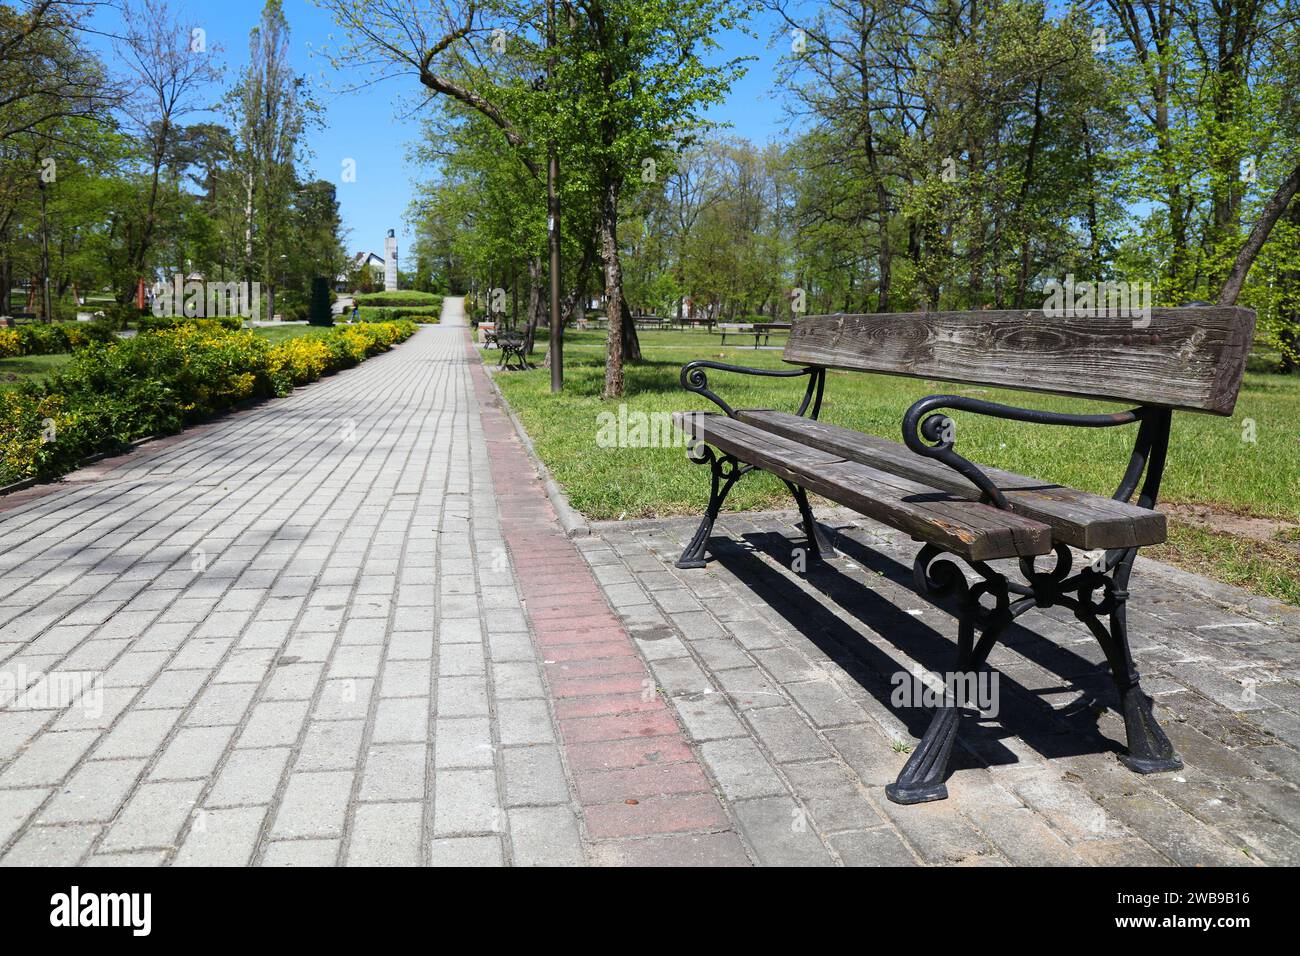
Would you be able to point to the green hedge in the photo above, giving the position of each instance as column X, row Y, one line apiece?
column 52, row 339
column 369, row 313
column 156, row 323
column 160, row 382
column 428, row 301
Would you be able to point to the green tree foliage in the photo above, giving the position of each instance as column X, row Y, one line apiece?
column 628, row 83
column 103, row 183
column 946, row 155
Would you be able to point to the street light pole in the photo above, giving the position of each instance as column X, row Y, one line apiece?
column 553, row 218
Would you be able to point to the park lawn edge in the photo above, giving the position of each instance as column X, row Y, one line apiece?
column 1270, row 569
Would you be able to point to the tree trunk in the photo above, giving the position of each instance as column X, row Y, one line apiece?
column 45, row 261
column 614, row 348
column 1289, row 308
column 248, row 234
column 140, row 253
column 884, row 254
column 1268, row 218
column 514, row 298
column 6, row 278
column 631, row 342
column 1026, row 238
column 534, row 301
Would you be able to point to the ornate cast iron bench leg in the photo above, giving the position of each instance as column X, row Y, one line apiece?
column 819, row 545
column 922, row 778
column 1149, row 750
column 726, row 471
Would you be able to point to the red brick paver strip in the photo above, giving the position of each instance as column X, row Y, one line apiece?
column 645, row 797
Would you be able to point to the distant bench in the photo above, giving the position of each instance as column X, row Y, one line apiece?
column 514, row 350
column 685, row 322
column 760, row 330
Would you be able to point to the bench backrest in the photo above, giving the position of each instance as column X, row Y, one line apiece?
column 1191, row 357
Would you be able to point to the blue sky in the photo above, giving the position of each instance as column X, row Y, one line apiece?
column 369, row 127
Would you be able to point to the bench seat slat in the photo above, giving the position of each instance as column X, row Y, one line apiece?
column 973, row 530
column 1077, row 518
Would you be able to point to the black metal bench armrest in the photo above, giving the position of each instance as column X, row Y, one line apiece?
column 919, row 427
column 694, row 379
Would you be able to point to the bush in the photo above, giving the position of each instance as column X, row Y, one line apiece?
column 158, row 323
column 120, row 316
column 392, row 313
column 427, row 301
column 291, row 305
column 159, row 382
column 52, row 339
column 318, row 313
column 387, row 315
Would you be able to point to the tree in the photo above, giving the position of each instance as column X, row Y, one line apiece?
column 270, row 115
column 631, row 84
column 633, row 69
column 318, row 312
column 316, row 246
column 168, row 73
column 46, row 72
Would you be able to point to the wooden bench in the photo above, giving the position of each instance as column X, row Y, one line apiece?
column 686, row 322
column 514, row 351
column 767, row 328
column 741, row 328
column 1188, row 359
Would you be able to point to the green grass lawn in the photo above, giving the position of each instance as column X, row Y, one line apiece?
column 1210, row 461
column 17, row 369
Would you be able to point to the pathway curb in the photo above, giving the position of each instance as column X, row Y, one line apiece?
column 571, row 520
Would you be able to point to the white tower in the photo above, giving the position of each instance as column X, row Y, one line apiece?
column 390, row 262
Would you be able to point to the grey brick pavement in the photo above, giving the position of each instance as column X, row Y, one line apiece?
column 289, row 638
column 783, row 682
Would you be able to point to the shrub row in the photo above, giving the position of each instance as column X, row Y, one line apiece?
column 385, row 314
column 159, row 382
column 156, row 323
column 42, row 339
column 428, row 301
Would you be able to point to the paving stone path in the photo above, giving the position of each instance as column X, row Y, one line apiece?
column 784, row 683
column 344, row 627
column 304, row 637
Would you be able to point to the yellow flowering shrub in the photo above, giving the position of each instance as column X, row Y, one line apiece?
column 302, row 360
column 159, row 382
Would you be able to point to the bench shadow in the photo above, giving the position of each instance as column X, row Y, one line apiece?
column 1023, row 711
